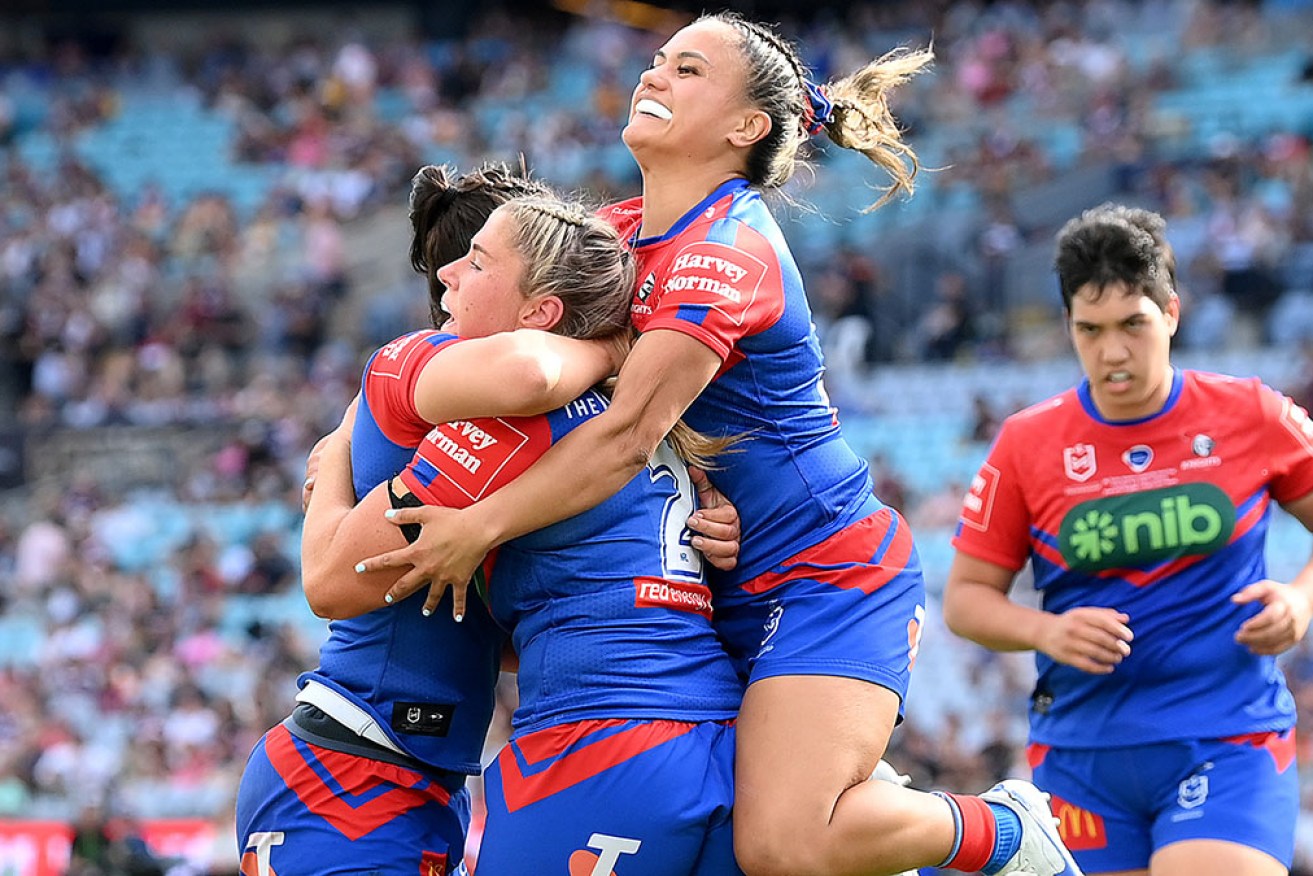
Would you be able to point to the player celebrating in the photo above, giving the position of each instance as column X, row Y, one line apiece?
column 823, row 613
column 1160, row 721
column 369, row 771
column 622, row 739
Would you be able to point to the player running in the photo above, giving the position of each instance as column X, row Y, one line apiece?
column 1160, row 721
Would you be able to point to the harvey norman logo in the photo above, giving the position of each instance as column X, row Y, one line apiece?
column 470, row 455
column 1140, row 529
column 730, row 276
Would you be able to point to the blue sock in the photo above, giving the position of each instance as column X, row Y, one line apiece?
column 1007, row 841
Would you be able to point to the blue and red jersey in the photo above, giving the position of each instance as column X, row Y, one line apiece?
column 426, row 681
column 609, row 610
column 724, row 275
column 1162, row 518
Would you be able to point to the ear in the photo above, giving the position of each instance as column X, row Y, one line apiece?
column 543, row 312
column 1173, row 314
column 753, row 127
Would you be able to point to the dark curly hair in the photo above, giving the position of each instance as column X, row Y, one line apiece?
column 1112, row 244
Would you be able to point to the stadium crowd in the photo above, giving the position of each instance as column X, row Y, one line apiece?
column 150, row 633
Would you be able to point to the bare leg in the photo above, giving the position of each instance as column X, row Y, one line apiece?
column 806, row 745
column 1213, row 858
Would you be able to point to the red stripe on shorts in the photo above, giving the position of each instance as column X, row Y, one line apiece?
column 1280, row 745
column 848, row 559
column 356, row 775
column 572, row 767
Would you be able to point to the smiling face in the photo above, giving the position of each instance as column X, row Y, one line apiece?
column 692, row 100
column 1123, row 341
column 484, row 286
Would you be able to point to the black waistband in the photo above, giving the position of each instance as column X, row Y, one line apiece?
column 310, row 724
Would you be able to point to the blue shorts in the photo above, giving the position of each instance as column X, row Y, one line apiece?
column 303, row 810
column 1117, row 806
column 851, row 606
column 637, row 798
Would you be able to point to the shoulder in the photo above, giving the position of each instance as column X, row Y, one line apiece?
column 1044, row 415
column 624, row 216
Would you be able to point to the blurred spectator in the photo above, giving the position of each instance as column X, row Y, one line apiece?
column 170, row 621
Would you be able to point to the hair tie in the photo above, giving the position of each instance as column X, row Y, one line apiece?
column 819, row 111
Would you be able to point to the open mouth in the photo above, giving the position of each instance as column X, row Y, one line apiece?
column 649, row 107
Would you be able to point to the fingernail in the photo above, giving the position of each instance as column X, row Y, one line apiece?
column 697, row 541
column 426, row 612
column 390, row 513
column 360, row 567
column 387, row 597
column 459, row 618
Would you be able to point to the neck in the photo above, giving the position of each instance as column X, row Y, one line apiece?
column 670, row 193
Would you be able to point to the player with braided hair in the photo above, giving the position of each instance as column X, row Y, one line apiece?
column 624, row 686
column 824, row 610
column 369, row 771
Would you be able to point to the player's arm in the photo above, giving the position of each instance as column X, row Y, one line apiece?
column 1287, row 608
column 338, row 533
column 977, row 607
column 512, row 374
column 662, row 375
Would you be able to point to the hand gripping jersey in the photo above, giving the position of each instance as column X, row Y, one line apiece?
column 1163, row 518
column 724, row 275
column 426, row 681
column 609, row 610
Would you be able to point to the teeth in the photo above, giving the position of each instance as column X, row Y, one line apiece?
column 1119, row 376
column 652, row 108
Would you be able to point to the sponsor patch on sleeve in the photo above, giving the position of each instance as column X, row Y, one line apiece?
column 471, row 455
column 1297, row 421
column 395, row 359
column 978, row 505
column 717, row 276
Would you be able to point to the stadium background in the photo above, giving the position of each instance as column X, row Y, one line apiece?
column 202, row 231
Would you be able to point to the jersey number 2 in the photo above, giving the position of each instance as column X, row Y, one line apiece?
column 679, row 560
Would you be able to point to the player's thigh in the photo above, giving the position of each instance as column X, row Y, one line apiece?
column 802, row 741
column 1214, row 858
column 1240, row 798
column 298, row 815
column 636, row 798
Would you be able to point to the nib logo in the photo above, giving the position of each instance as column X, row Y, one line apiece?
column 1137, row 530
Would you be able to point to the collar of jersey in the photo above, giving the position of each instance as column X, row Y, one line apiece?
column 728, row 188
column 1087, row 402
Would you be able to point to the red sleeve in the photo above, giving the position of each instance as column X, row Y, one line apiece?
column 719, row 293
column 995, row 522
column 389, row 384
column 1290, row 445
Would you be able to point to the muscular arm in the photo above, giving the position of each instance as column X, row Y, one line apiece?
column 511, row 374
column 338, row 533
column 977, row 607
column 662, row 375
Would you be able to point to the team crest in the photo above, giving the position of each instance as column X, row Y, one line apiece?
column 1202, row 445
column 1079, row 463
column 1138, row 458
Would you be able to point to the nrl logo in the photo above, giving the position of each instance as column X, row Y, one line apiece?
column 1079, row 463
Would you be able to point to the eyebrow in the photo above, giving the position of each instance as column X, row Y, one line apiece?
column 474, row 247
column 686, row 54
